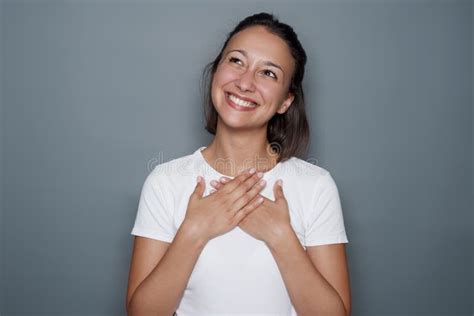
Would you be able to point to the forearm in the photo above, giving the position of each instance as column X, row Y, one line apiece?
column 309, row 291
column 160, row 293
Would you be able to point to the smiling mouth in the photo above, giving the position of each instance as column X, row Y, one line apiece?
column 239, row 102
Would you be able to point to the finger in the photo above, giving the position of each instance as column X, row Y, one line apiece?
column 200, row 187
column 248, row 196
column 212, row 191
column 246, row 185
column 243, row 212
column 278, row 190
column 238, row 180
column 216, row 185
column 224, row 179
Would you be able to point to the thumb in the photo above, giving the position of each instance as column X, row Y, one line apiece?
column 278, row 190
column 200, row 187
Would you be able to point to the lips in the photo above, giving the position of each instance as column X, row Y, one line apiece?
column 241, row 97
column 237, row 106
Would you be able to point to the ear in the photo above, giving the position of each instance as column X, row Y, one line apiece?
column 286, row 103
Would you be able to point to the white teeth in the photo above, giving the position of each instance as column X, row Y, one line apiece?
column 241, row 102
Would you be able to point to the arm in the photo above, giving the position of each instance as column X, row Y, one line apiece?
column 206, row 217
column 311, row 292
column 160, row 292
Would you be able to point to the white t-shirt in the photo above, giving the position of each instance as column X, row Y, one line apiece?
column 236, row 274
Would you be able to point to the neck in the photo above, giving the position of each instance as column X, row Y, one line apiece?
column 231, row 152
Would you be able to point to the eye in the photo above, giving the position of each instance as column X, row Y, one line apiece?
column 234, row 60
column 270, row 74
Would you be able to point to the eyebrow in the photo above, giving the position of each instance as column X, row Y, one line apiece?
column 266, row 63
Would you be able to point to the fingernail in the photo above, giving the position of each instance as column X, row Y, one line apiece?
column 252, row 171
column 262, row 182
column 260, row 174
column 223, row 179
column 280, row 182
column 198, row 179
column 213, row 182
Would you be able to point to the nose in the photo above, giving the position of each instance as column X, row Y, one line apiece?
column 246, row 81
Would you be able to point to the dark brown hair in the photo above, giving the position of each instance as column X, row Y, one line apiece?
column 287, row 133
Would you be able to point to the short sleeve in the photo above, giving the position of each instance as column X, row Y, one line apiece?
column 154, row 217
column 325, row 223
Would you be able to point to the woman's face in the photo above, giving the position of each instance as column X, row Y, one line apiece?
column 252, row 79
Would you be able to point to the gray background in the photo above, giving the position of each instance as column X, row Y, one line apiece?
column 95, row 93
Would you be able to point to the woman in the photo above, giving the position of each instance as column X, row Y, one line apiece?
column 244, row 247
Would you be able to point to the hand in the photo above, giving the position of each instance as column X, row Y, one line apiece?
column 270, row 221
column 218, row 213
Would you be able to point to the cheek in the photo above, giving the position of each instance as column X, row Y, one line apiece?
column 270, row 92
column 224, row 75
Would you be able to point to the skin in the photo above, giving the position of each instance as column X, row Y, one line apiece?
column 241, row 137
column 317, row 279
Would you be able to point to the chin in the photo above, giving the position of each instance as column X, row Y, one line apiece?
column 239, row 124
column 232, row 124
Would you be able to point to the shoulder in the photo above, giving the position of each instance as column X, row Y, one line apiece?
column 303, row 170
column 165, row 173
column 307, row 177
column 174, row 166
